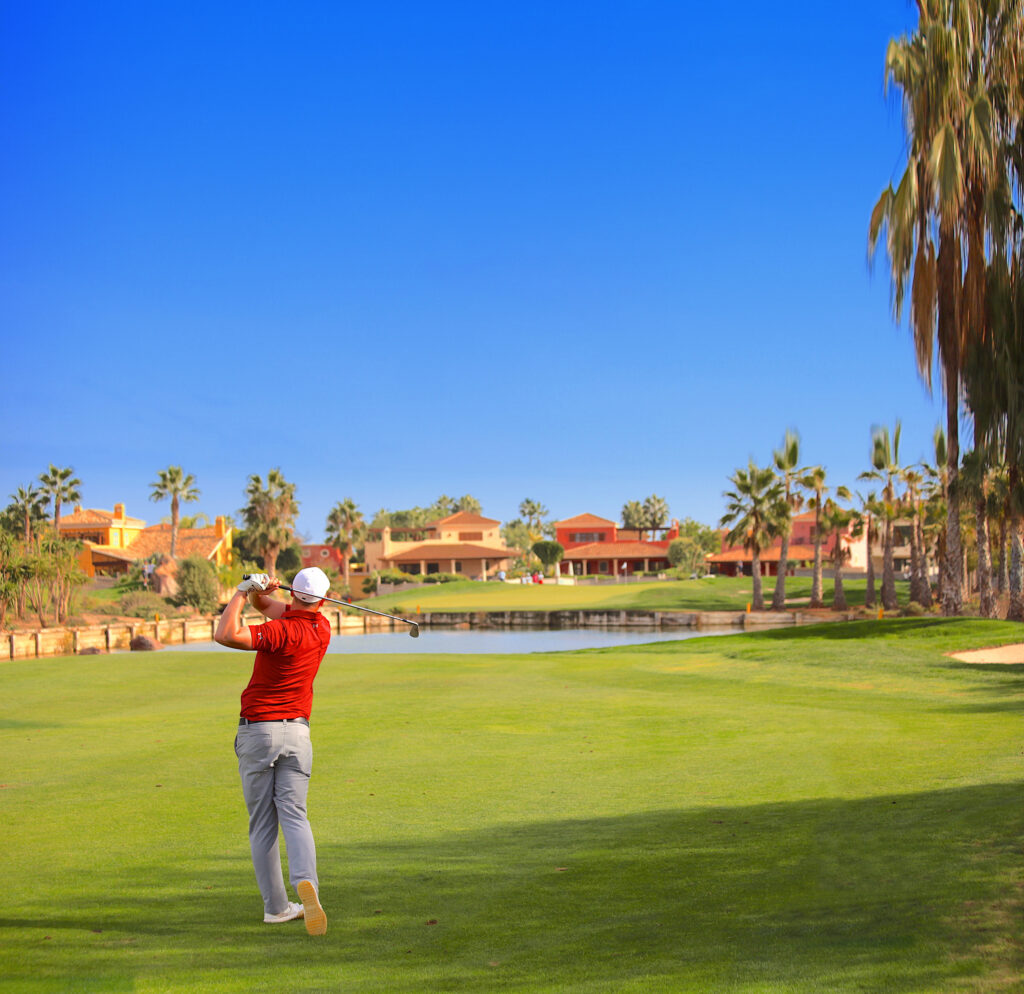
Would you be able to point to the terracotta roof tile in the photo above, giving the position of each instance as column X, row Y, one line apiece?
column 460, row 518
column 800, row 553
column 448, row 550
column 96, row 516
column 582, row 520
column 616, row 550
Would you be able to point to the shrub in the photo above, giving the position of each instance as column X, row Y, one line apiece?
column 197, row 584
column 914, row 610
column 141, row 604
column 443, row 577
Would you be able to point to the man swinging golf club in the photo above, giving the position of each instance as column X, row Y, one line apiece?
column 275, row 755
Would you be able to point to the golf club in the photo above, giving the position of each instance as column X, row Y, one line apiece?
column 414, row 631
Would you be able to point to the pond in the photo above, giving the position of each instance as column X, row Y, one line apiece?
column 501, row 640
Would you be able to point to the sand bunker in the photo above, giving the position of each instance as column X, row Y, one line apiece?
column 1008, row 654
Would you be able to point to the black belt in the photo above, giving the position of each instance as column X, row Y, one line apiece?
column 267, row 721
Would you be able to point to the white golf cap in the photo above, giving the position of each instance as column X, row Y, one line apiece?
column 310, row 584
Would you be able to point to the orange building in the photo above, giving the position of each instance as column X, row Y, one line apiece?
column 114, row 541
column 596, row 545
column 734, row 560
column 461, row 543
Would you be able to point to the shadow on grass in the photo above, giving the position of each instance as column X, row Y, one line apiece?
column 901, row 893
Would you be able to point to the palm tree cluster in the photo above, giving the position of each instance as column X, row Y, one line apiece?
column 647, row 515
column 953, row 232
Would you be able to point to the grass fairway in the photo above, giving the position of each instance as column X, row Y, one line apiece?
column 720, row 594
column 835, row 808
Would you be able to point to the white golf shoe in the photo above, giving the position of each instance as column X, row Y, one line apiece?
column 292, row 912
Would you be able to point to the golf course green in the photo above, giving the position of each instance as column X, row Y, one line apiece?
column 829, row 808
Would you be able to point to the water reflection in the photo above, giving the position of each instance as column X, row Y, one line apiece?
column 469, row 640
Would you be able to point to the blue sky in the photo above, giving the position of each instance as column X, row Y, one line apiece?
column 579, row 253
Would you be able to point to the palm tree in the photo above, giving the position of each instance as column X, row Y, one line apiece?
column 270, row 516
column 959, row 74
column 60, row 485
column 834, row 520
column 977, row 487
column 920, row 588
column 468, row 503
column 885, row 454
column 633, row 517
column 786, row 460
column 814, row 481
column 173, row 483
column 345, row 525
column 865, row 523
column 28, row 502
column 655, row 512
column 754, row 513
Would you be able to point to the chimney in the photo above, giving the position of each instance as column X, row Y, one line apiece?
column 119, row 511
column 219, row 526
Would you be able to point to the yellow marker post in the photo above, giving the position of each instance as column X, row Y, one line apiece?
column 881, row 613
column 748, row 607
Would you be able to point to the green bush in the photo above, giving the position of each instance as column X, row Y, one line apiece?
column 197, row 584
column 140, row 604
column 442, row 577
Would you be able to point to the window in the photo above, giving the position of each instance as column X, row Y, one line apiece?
column 413, row 569
column 471, row 536
column 587, row 536
column 602, row 566
column 324, row 553
column 433, row 568
column 458, row 566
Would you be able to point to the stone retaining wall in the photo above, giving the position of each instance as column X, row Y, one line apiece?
column 117, row 636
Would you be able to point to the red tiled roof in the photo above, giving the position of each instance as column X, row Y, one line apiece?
column 95, row 516
column 583, row 520
column 448, row 550
column 800, row 553
column 616, row 550
column 460, row 518
column 157, row 539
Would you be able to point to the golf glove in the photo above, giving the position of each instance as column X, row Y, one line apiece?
column 254, row 581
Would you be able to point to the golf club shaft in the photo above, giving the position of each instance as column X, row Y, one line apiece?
column 359, row 607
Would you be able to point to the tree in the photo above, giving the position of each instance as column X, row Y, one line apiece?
column 834, row 520
column 345, row 527
column 469, row 504
column 270, row 515
column 976, row 480
column 814, row 481
column 197, row 584
column 172, row 483
column 885, row 454
column 865, row 523
column 533, row 512
column 786, row 460
column 959, row 76
column 516, row 535
column 60, row 486
column 28, row 504
column 633, row 516
column 549, row 553
column 754, row 516
column 655, row 512
column 920, row 587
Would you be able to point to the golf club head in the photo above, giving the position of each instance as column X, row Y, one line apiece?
column 414, row 631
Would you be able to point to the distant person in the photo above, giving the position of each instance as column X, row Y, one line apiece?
column 275, row 754
column 501, row 575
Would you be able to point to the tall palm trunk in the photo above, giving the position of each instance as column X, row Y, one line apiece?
column 916, row 586
column 869, row 589
column 986, row 595
column 779, row 596
column 889, row 601
column 839, row 594
column 949, row 266
column 1004, row 566
column 175, row 518
column 926, row 583
column 817, row 592
column 1016, row 608
column 755, row 569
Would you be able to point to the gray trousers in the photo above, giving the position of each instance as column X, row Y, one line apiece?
column 275, row 760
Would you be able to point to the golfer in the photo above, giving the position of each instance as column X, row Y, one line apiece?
column 275, row 755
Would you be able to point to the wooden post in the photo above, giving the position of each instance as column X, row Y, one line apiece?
column 106, row 635
column 74, row 641
column 37, row 644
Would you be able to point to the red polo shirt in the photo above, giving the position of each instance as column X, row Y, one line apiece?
column 289, row 651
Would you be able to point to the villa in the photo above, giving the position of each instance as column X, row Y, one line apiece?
column 598, row 546
column 113, row 541
column 463, row 543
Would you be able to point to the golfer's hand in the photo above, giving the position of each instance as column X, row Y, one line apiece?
column 256, row 581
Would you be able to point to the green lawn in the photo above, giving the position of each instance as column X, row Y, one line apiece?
column 833, row 808
column 720, row 594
